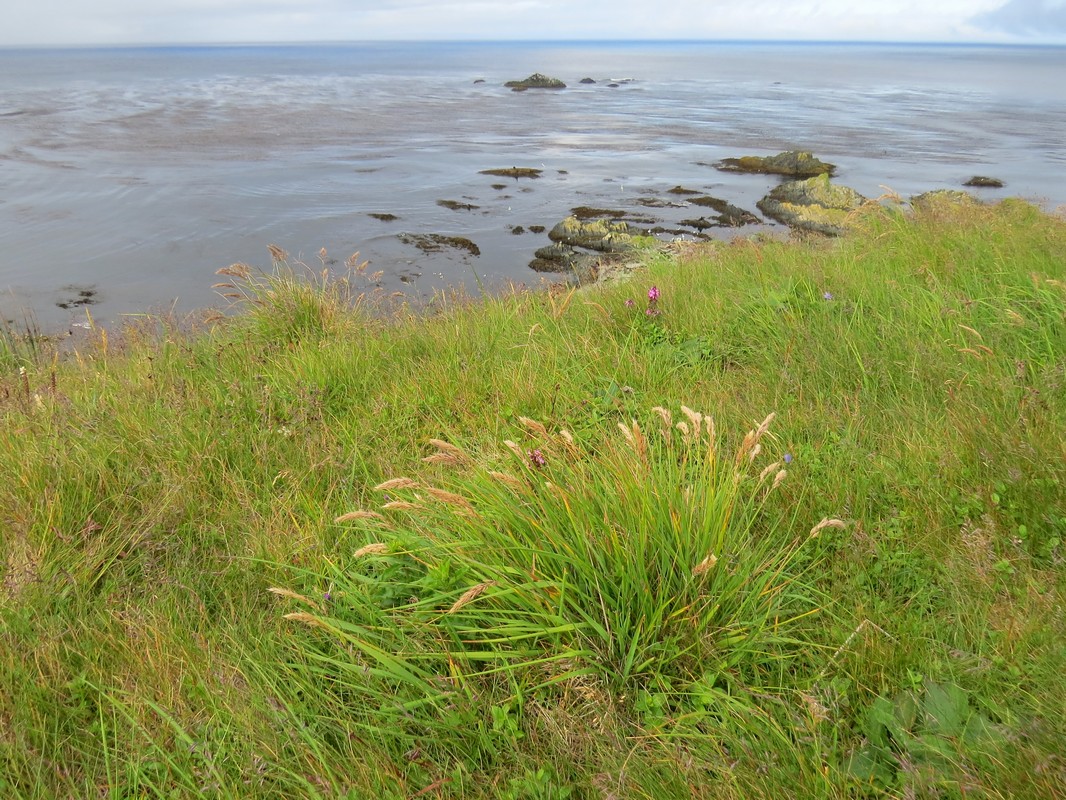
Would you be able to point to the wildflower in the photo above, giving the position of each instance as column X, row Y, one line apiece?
column 827, row 296
column 652, row 312
column 787, row 458
column 653, row 294
column 630, row 303
column 537, row 459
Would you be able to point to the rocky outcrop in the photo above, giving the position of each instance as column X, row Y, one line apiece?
column 814, row 204
column 581, row 247
column 601, row 235
column 791, row 163
column 535, row 81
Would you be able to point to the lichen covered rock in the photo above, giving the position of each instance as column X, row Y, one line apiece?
column 814, row 204
column 601, row 235
column 791, row 163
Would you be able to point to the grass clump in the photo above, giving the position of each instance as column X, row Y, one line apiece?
column 232, row 566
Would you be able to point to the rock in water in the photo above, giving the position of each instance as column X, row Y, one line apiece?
column 985, row 182
column 535, row 81
column 813, row 204
column 793, row 163
column 600, row 235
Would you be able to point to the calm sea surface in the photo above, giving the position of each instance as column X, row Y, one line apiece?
column 132, row 174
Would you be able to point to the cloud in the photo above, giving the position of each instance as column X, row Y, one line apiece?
column 158, row 21
column 1042, row 19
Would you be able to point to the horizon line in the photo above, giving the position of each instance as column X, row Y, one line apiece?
column 576, row 40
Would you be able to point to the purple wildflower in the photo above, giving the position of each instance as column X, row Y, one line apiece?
column 630, row 303
column 827, row 296
column 537, row 459
column 788, row 458
column 653, row 294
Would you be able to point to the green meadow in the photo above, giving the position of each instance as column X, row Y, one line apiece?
column 768, row 519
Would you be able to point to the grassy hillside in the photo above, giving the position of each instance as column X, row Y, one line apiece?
column 766, row 520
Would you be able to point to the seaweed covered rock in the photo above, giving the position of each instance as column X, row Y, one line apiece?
column 791, row 163
column 535, row 81
column 729, row 215
column 814, row 204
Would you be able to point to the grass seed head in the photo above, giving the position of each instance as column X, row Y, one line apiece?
column 402, row 505
column 291, row 595
column 533, row 426
column 396, row 483
column 827, row 523
column 372, row 549
column 470, row 595
column 779, row 478
column 705, row 565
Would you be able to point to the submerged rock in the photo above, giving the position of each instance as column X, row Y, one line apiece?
column 456, row 205
column 728, row 215
column 535, row 81
column 792, row 163
column 813, row 204
column 985, row 182
column 513, row 172
column 586, row 80
column 384, row 217
column 436, row 242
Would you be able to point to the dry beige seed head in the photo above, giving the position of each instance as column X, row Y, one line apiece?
column 448, row 497
column 764, row 426
column 509, row 480
column 695, row 417
column 237, row 270
column 626, row 432
column 372, row 549
column 444, row 459
column 470, row 595
column 352, row 262
column 223, row 286
column 447, row 447
column 402, row 505
column 779, row 478
column 514, row 448
column 308, row 619
column 705, row 565
column 533, row 425
column 708, row 422
column 291, row 595
column 754, row 454
column 683, row 427
column 768, row 469
column 396, row 483
column 276, row 253
column 353, row 515
column 827, row 523
column 566, row 436
column 665, row 416
column 745, row 446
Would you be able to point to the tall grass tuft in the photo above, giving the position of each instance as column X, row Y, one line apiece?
column 646, row 564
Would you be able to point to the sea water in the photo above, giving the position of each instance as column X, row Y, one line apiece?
column 129, row 175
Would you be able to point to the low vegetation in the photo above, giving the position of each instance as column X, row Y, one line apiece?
column 766, row 520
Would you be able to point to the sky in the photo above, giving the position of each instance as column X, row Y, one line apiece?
column 63, row 22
